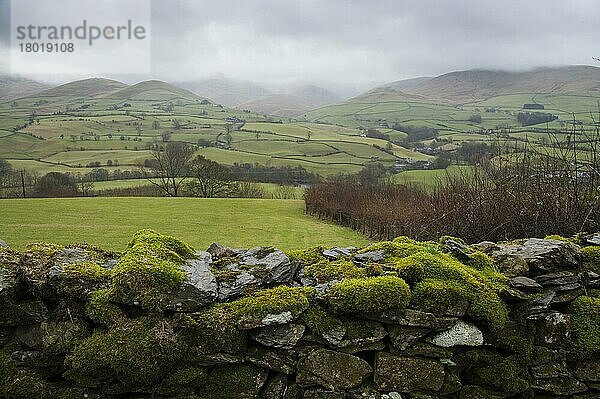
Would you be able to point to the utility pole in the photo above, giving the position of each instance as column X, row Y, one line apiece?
column 23, row 183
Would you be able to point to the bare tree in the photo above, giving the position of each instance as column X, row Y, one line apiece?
column 170, row 166
column 211, row 179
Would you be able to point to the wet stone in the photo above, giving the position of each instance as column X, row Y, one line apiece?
column 332, row 370
column 404, row 374
column 283, row 336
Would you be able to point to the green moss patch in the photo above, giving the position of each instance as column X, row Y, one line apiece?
column 183, row 380
column 401, row 247
column 374, row 294
column 506, row 375
column 137, row 353
column 79, row 279
column 320, row 321
column 307, row 257
column 439, row 279
column 591, row 259
column 149, row 271
column 585, row 319
column 250, row 310
column 325, row 271
column 20, row 384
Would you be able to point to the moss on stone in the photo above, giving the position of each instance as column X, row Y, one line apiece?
column 325, row 271
column 61, row 337
column 557, row 237
column 273, row 301
column 438, row 296
column 79, row 279
column 212, row 331
column 307, row 257
column 234, row 381
column 320, row 321
column 481, row 261
column 166, row 246
column 183, row 380
column 137, row 353
column 102, row 311
column 443, row 240
column 373, row 294
column 585, row 318
column 263, row 252
column 149, row 271
column 401, row 247
column 20, row 384
column 225, row 276
column 36, row 261
column 591, row 259
column 94, row 254
column 508, row 376
column 480, row 287
column 219, row 264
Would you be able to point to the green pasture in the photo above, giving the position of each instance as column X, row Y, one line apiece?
column 111, row 222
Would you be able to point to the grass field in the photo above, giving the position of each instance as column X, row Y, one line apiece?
column 110, row 222
column 428, row 178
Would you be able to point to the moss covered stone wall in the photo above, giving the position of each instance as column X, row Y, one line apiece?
column 398, row 319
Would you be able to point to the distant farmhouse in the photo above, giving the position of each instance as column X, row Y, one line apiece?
column 533, row 106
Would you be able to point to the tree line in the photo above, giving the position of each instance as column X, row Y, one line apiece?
column 516, row 192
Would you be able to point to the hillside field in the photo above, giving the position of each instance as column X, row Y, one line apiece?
column 110, row 222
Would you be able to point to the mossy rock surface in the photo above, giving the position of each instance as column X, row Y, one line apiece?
column 586, row 326
column 76, row 321
column 332, row 370
column 373, row 294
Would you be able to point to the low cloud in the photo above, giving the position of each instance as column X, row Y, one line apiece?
column 358, row 43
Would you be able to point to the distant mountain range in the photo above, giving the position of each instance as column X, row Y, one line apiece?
column 251, row 96
column 461, row 87
column 476, row 85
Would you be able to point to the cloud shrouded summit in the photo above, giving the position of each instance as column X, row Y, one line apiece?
column 358, row 43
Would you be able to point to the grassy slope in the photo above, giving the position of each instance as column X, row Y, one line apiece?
column 110, row 222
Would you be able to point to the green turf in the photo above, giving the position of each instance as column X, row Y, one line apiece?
column 111, row 222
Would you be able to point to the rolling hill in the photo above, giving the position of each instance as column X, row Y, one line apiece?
column 15, row 87
column 93, row 87
column 155, row 90
column 101, row 122
column 476, row 85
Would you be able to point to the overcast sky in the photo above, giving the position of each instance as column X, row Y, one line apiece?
column 359, row 42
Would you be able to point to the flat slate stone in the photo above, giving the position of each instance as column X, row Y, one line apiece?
column 525, row 283
column 405, row 374
column 284, row 336
column 332, row 370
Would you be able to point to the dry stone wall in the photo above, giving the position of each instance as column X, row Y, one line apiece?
column 399, row 319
